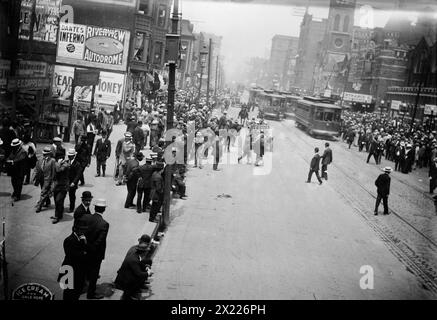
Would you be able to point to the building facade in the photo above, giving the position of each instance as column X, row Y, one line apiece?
column 282, row 60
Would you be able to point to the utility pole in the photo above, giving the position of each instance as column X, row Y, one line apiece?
column 423, row 79
column 209, row 70
column 216, row 77
column 173, row 55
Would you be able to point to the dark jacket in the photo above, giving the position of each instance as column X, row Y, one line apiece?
column 145, row 173
column 433, row 170
column 58, row 152
column 119, row 147
column 383, row 184
column 315, row 162
column 97, row 237
column 17, row 167
column 75, row 172
column 61, row 180
column 131, row 125
column 84, row 219
column 83, row 153
column 327, row 156
column 131, row 173
column 102, row 150
column 157, row 185
column 132, row 273
column 138, row 135
column 75, row 251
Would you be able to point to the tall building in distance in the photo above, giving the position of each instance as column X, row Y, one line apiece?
column 311, row 34
column 282, row 60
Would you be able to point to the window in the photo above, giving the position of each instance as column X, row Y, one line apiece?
column 346, row 24
column 337, row 22
column 144, row 7
column 328, row 116
column 157, row 53
column 318, row 115
column 162, row 15
column 139, row 46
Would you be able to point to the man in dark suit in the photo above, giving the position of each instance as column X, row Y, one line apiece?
column 134, row 271
column 102, row 151
column 73, row 176
column 382, row 184
column 96, row 247
column 373, row 150
column 132, row 177
column 144, row 186
column 433, row 175
column 75, row 256
column 326, row 159
column 83, row 156
column 82, row 214
column 60, row 188
column 58, row 151
column 314, row 167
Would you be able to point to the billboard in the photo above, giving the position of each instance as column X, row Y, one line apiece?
column 109, row 89
column 90, row 46
column 46, row 20
column 5, row 67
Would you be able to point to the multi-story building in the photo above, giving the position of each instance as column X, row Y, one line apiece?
column 311, row 34
column 184, row 72
column 282, row 60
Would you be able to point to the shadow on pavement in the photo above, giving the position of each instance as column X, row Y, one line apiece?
column 5, row 194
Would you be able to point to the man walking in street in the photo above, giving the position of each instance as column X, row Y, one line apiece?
column 60, row 187
column 314, row 166
column 82, row 213
column 83, row 156
column 96, row 247
column 58, row 151
column 43, row 176
column 138, row 137
column 383, row 189
column 102, row 152
column 78, row 129
column 326, row 160
column 74, row 174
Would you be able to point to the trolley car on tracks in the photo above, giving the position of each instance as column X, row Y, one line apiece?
column 318, row 116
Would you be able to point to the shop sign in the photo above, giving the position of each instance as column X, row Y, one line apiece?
column 357, row 97
column 28, row 83
column 46, row 20
column 395, row 104
column 5, row 67
column 32, row 291
column 430, row 109
column 81, row 45
column 32, row 68
column 109, row 88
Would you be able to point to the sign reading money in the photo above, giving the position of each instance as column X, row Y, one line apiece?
column 104, row 48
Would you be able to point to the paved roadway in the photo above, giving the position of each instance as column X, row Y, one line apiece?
column 34, row 244
column 246, row 236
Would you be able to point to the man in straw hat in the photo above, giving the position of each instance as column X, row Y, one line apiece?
column 382, row 184
column 43, row 176
column 17, row 165
column 96, row 236
column 73, row 176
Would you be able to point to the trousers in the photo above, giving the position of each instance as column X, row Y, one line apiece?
column 93, row 269
column 45, row 195
column 17, row 185
column 324, row 171
column 72, row 196
column 131, row 191
column 384, row 199
column 156, row 206
column 144, row 195
column 59, row 197
column 310, row 174
column 101, row 164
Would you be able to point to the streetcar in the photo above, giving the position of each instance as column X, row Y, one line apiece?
column 318, row 116
column 289, row 105
column 270, row 105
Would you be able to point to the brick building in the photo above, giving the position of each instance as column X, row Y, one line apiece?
column 282, row 60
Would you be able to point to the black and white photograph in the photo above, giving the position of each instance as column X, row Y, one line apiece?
column 224, row 152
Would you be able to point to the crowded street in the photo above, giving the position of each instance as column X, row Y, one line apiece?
column 170, row 150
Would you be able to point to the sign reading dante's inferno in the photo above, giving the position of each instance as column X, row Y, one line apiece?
column 104, row 48
column 32, row 291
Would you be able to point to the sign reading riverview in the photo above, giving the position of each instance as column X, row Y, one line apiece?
column 104, row 48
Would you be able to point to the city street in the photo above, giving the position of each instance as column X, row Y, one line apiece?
column 246, row 236
column 34, row 244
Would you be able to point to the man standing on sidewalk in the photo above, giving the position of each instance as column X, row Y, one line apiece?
column 433, row 175
column 144, row 185
column 43, row 176
column 73, row 177
column 314, row 167
column 382, row 184
column 132, row 177
column 157, row 194
column 124, row 152
column 102, row 152
column 60, row 187
column 96, row 247
column 326, row 159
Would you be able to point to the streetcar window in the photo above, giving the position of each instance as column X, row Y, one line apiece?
column 319, row 115
column 329, row 116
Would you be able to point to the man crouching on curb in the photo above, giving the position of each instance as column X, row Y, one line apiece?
column 135, row 270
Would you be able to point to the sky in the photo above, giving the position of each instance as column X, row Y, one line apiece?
column 247, row 29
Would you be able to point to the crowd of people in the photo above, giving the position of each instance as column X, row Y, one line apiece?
column 408, row 147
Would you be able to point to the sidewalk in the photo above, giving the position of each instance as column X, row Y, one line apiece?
column 34, row 245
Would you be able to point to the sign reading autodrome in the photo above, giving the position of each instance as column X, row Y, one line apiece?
column 89, row 46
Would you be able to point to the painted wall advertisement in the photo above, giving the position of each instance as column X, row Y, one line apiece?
column 89, row 46
column 46, row 22
column 108, row 91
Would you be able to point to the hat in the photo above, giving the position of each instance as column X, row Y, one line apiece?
column 128, row 134
column 71, row 152
column 155, row 121
column 387, row 169
column 100, row 203
column 174, row 149
column 46, row 150
column 140, row 156
column 145, row 238
column 198, row 134
column 57, row 139
column 142, row 247
column 86, row 195
column 149, row 159
column 16, row 142
column 161, row 140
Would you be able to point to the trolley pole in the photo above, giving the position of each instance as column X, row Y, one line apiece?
column 165, row 220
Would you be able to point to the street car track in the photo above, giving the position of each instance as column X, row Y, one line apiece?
column 403, row 252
